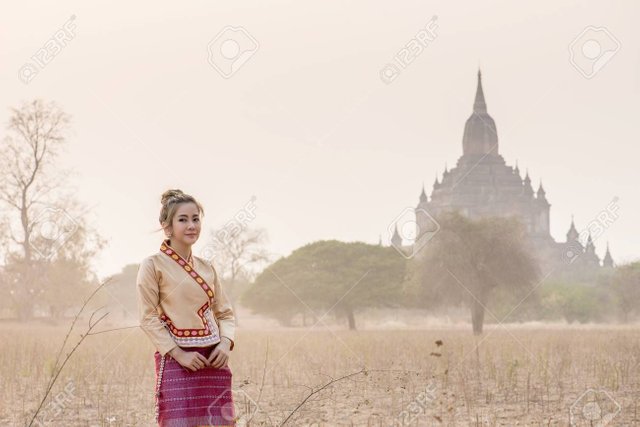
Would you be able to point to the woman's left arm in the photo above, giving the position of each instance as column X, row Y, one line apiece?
column 225, row 317
column 223, row 311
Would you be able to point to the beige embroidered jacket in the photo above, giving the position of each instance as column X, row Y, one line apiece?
column 180, row 305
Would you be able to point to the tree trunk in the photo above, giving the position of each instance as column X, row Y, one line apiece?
column 351, row 318
column 477, row 317
column 25, row 311
column 625, row 316
column 285, row 320
column 55, row 312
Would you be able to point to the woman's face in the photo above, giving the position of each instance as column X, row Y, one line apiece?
column 186, row 224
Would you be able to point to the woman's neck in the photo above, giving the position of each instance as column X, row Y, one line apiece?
column 183, row 250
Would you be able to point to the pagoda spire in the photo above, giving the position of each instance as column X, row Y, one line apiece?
column 528, row 189
column 423, row 195
column 541, row 193
column 541, row 197
column 479, row 105
column 608, row 260
column 592, row 258
column 396, row 240
column 572, row 234
column 480, row 136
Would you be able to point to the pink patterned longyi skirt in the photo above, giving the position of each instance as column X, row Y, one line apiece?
column 187, row 399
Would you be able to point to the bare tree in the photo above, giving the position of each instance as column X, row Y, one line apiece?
column 27, row 178
column 47, row 241
column 237, row 253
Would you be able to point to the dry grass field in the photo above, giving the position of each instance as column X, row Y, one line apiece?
column 509, row 376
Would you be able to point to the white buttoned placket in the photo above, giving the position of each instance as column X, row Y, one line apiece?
column 158, row 383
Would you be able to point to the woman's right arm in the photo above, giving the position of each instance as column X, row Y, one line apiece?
column 148, row 302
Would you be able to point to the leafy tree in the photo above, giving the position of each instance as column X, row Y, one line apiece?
column 328, row 275
column 467, row 261
column 573, row 302
column 122, row 292
column 625, row 286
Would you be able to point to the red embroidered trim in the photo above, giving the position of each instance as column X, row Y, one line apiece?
column 189, row 332
column 177, row 258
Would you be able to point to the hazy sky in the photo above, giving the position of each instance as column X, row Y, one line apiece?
column 307, row 126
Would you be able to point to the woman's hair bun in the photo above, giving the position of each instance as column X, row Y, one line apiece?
column 170, row 200
column 169, row 194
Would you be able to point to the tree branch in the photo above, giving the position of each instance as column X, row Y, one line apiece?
column 362, row 371
column 56, row 370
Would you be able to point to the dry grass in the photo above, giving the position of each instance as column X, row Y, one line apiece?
column 507, row 377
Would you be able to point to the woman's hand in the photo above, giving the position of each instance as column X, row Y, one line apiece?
column 220, row 353
column 189, row 359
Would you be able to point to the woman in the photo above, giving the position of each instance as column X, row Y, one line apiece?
column 189, row 319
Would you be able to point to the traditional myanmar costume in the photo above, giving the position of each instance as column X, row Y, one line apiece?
column 182, row 303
